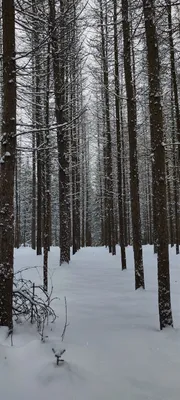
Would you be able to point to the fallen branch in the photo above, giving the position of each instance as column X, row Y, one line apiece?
column 34, row 307
column 66, row 324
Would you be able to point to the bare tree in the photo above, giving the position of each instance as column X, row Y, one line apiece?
column 118, row 135
column 158, row 151
column 58, row 47
column 7, row 164
column 132, row 129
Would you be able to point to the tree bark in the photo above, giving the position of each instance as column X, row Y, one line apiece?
column 134, row 178
column 7, row 164
column 62, row 139
column 118, row 138
column 173, row 72
column 158, row 151
column 109, row 180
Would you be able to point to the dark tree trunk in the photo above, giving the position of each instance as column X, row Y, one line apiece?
column 78, row 230
column 124, row 188
column 17, row 215
column 47, row 178
column 62, row 139
column 109, row 180
column 175, row 180
column 33, row 223
column 83, row 185
column 39, row 161
column 173, row 70
column 100, row 180
column 134, row 178
column 157, row 137
column 87, row 200
column 118, row 138
column 38, row 126
column 170, row 211
column 7, row 164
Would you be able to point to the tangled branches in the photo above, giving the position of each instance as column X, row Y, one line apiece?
column 32, row 303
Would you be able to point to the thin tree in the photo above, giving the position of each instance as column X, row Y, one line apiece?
column 118, row 138
column 58, row 48
column 175, row 97
column 108, row 161
column 132, row 130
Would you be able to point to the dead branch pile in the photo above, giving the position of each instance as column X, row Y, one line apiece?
column 32, row 303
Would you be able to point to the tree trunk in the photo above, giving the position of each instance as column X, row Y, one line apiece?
column 109, row 180
column 38, row 125
column 158, row 151
column 7, row 164
column 118, row 138
column 47, row 178
column 134, row 178
column 33, row 221
column 175, row 173
column 62, row 139
column 87, row 198
column 173, row 72
column 17, row 214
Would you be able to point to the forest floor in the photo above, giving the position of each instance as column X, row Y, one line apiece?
column 114, row 349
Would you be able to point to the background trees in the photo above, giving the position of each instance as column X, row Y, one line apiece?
column 96, row 133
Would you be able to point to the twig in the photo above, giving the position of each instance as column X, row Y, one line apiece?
column 32, row 306
column 66, row 324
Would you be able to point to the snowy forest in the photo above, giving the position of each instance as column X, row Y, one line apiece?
column 90, row 199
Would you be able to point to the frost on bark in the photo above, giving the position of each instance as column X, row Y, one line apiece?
column 132, row 122
column 159, row 178
column 7, row 164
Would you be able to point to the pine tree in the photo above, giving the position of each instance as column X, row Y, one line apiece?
column 158, row 151
column 7, row 164
column 132, row 129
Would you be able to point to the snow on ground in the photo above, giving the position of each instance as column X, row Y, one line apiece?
column 114, row 349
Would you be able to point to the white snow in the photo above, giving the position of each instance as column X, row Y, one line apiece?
column 114, row 349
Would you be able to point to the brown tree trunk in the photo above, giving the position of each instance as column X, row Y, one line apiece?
column 62, row 139
column 47, row 179
column 175, row 173
column 7, row 164
column 118, row 138
column 134, row 178
column 170, row 211
column 83, row 182
column 33, row 223
column 124, row 188
column 87, row 198
column 39, row 161
column 157, row 137
column 38, row 126
column 173, row 71
column 78, row 230
column 100, row 179
column 109, row 181
column 74, row 183
column 74, row 130
column 177, row 114
column 17, row 214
